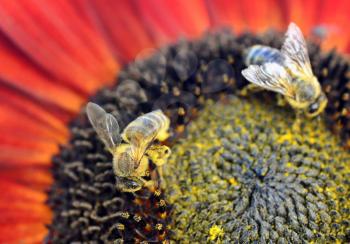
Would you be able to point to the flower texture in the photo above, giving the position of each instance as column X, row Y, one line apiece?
column 264, row 184
column 56, row 178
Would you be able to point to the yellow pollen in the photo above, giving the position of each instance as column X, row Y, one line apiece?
column 286, row 137
column 233, row 181
column 215, row 232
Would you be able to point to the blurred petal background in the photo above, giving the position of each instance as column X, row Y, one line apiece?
column 54, row 54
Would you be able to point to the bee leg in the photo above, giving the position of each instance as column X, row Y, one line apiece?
column 160, row 181
column 142, row 169
column 158, row 154
column 297, row 122
column 149, row 183
column 250, row 88
column 160, row 171
column 281, row 101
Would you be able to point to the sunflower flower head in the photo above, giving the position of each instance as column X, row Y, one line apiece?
column 238, row 171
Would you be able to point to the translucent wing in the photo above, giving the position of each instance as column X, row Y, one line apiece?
column 105, row 125
column 270, row 76
column 142, row 131
column 295, row 49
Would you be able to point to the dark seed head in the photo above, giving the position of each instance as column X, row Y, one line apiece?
column 253, row 189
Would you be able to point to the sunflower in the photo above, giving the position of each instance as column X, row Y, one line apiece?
column 56, row 179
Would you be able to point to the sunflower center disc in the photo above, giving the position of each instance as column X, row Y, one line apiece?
column 243, row 172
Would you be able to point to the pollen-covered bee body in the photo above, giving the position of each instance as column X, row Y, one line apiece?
column 288, row 72
column 130, row 149
column 158, row 154
column 124, row 160
column 144, row 130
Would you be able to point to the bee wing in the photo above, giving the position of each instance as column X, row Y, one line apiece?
column 142, row 131
column 105, row 125
column 270, row 76
column 295, row 49
column 137, row 152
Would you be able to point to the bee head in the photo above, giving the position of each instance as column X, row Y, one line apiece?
column 128, row 185
column 317, row 106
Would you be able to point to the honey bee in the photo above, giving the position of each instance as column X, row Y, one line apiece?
column 134, row 147
column 287, row 72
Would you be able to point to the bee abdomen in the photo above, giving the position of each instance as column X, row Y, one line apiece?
column 145, row 127
column 259, row 54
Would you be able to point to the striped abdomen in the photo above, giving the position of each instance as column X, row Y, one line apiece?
column 145, row 128
column 259, row 54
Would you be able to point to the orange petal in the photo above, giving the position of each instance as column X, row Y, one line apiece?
column 347, row 49
column 19, row 156
column 334, row 15
column 262, row 15
column 303, row 13
column 227, row 13
column 53, row 36
column 24, row 214
column 242, row 15
column 17, row 72
column 14, row 192
column 84, row 42
column 28, row 143
column 22, row 233
column 24, row 140
column 33, row 109
column 16, row 123
column 34, row 178
column 16, row 150
column 169, row 19
column 12, row 213
column 118, row 24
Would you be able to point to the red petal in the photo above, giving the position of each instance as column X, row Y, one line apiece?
column 33, row 109
column 34, row 178
column 334, row 15
column 303, row 13
column 24, row 214
column 262, row 15
column 17, row 193
column 22, row 233
column 16, row 150
column 34, row 144
column 169, row 19
column 118, row 23
column 12, row 213
column 17, row 123
column 227, row 13
column 59, row 41
column 18, row 72
column 253, row 15
column 26, row 140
